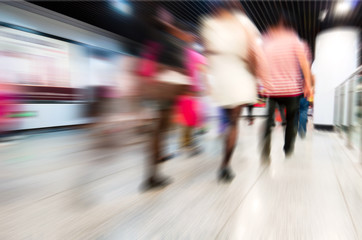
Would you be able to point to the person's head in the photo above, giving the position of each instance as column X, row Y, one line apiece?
column 225, row 6
column 284, row 19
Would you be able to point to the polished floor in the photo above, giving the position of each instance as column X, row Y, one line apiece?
column 59, row 186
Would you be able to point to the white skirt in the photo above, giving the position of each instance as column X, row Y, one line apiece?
column 232, row 84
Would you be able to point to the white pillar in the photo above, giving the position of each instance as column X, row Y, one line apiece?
column 336, row 58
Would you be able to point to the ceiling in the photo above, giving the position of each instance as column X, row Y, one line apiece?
column 306, row 14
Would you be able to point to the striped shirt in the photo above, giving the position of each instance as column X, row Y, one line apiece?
column 284, row 78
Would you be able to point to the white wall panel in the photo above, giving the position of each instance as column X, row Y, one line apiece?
column 336, row 58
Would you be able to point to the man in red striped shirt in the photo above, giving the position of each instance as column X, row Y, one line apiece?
column 284, row 84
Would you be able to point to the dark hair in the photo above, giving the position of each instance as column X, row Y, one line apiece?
column 223, row 4
column 283, row 17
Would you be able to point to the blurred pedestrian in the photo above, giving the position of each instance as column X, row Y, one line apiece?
column 163, row 77
column 190, row 104
column 284, row 84
column 232, row 53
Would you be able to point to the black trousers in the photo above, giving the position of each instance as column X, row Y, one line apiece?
column 282, row 115
column 292, row 106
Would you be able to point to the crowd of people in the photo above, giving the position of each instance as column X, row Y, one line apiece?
column 237, row 64
column 228, row 60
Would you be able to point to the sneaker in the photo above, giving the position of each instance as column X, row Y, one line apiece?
column 302, row 134
column 155, row 182
column 288, row 153
column 265, row 159
column 226, row 175
column 196, row 151
column 166, row 158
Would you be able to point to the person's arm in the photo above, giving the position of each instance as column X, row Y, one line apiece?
column 256, row 59
column 260, row 61
column 176, row 31
column 304, row 65
column 263, row 71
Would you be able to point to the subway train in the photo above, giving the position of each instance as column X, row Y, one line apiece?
column 54, row 61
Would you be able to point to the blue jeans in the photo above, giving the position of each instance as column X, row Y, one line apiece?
column 224, row 120
column 303, row 116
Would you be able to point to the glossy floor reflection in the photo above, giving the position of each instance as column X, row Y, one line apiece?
column 56, row 186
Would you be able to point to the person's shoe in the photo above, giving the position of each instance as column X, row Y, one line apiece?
column 265, row 150
column 226, row 175
column 288, row 153
column 195, row 152
column 155, row 182
column 202, row 131
column 166, row 158
column 302, row 134
column 265, row 159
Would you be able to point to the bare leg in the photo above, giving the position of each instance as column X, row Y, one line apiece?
column 157, row 137
column 230, row 141
column 187, row 136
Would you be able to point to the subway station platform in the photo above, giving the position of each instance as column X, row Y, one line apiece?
column 56, row 186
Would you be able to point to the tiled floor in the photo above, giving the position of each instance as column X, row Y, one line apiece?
column 57, row 186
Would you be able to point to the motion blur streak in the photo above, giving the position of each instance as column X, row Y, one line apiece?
column 147, row 120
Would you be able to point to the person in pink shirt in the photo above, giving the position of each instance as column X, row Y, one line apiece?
column 189, row 104
column 284, row 84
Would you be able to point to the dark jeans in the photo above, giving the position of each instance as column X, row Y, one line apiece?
column 292, row 105
column 303, row 116
column 224, row 120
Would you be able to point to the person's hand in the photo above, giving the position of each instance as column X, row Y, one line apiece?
column 307, row 92
column 262, row 92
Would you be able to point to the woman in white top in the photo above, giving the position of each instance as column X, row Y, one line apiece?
column 230, row 41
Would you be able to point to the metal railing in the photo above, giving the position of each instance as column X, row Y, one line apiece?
column 348, row 109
